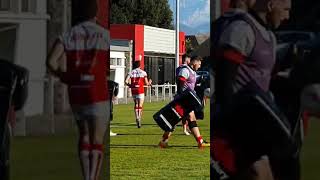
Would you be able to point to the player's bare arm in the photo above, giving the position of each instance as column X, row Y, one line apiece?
column 55, row 57
column 128, row 81
column 148, row 83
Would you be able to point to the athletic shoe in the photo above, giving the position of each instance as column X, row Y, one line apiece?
column 186, row 133
column 138, row 121
column 203, row 144
column 163, row 144
column 112, row 133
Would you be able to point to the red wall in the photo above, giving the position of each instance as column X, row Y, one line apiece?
column 182, row 45
column 130, row 32
column 139, row 44
column 224, row 5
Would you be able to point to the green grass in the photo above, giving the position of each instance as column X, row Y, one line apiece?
column 311, row 152
column 46, row 157
column 135, row 154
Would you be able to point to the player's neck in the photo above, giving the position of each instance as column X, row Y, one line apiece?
column 191, row 67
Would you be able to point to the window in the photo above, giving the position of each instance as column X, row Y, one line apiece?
column 24, row 6
column 112, row 74
column 116, row 62
column 119, row 61
column 28, row 5
column 8, row 35
column 5, row 5
column 113, row 61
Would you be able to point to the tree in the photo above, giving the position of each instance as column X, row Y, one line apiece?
column 189, row 46
column 155, row 13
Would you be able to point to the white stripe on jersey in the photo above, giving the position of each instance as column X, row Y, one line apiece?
column 184, row 72
column 137, row 73
column 85, row 36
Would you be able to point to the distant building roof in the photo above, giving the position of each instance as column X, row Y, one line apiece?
column 121, row 45
column 202, row 37
column 203, row 49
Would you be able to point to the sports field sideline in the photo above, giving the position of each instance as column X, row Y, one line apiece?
column 134, row 153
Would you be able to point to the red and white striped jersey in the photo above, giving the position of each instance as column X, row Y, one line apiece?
column 86, row 46
column 137, row 77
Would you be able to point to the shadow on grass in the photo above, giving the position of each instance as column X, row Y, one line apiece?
column 134, row 124
column 146, row 134
column 130, row 124
column 151, row 146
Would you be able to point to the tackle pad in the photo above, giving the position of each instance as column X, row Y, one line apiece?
column 257, row 120
column 169, row 116
column 13, row 92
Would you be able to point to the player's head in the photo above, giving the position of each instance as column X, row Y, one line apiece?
column 136, row 64
column 186, row 59
column 85, row 10
column 275, row 11
column 195, row 62
column 242, row 4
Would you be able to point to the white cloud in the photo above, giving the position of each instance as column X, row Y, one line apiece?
column 199, row 16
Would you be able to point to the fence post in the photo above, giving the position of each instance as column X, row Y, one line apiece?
column 157, row 92
column 170, row 92
column 126, row 94
column 150, row 93
column 51, row 103
column 163, row 93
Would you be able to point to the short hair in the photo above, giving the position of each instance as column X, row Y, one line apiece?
column 195, row 58
column 184, row 57
column 85, row 10
column 136, row 64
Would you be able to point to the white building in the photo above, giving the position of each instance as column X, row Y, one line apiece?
column 23, row 41
column 120, row 53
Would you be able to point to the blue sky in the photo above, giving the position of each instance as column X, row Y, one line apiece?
column 194, row 15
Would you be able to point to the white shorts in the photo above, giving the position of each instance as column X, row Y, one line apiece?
column 99, row 110
column 138, row 96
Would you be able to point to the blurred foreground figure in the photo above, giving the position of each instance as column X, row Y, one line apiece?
column 85, row 49
column 13, row 95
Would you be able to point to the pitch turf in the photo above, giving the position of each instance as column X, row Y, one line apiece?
column 134, row 154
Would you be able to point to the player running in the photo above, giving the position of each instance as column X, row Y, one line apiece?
column 136, row 80
column 85, row 48
column 187, row 82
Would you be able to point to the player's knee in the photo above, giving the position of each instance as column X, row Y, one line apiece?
column 98, row 138
column 97, row 147
column 192, row 124
column 84, row 138
column 85, row 146
column 84, row 143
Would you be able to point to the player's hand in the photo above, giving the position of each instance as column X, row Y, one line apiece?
column 150, row 82
column 12, row 117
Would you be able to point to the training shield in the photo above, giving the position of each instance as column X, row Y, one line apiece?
column 257, row 118
column 179, row 108
column 13, row 92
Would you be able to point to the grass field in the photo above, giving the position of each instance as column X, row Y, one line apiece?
column 134, row 153
column 311, row 152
